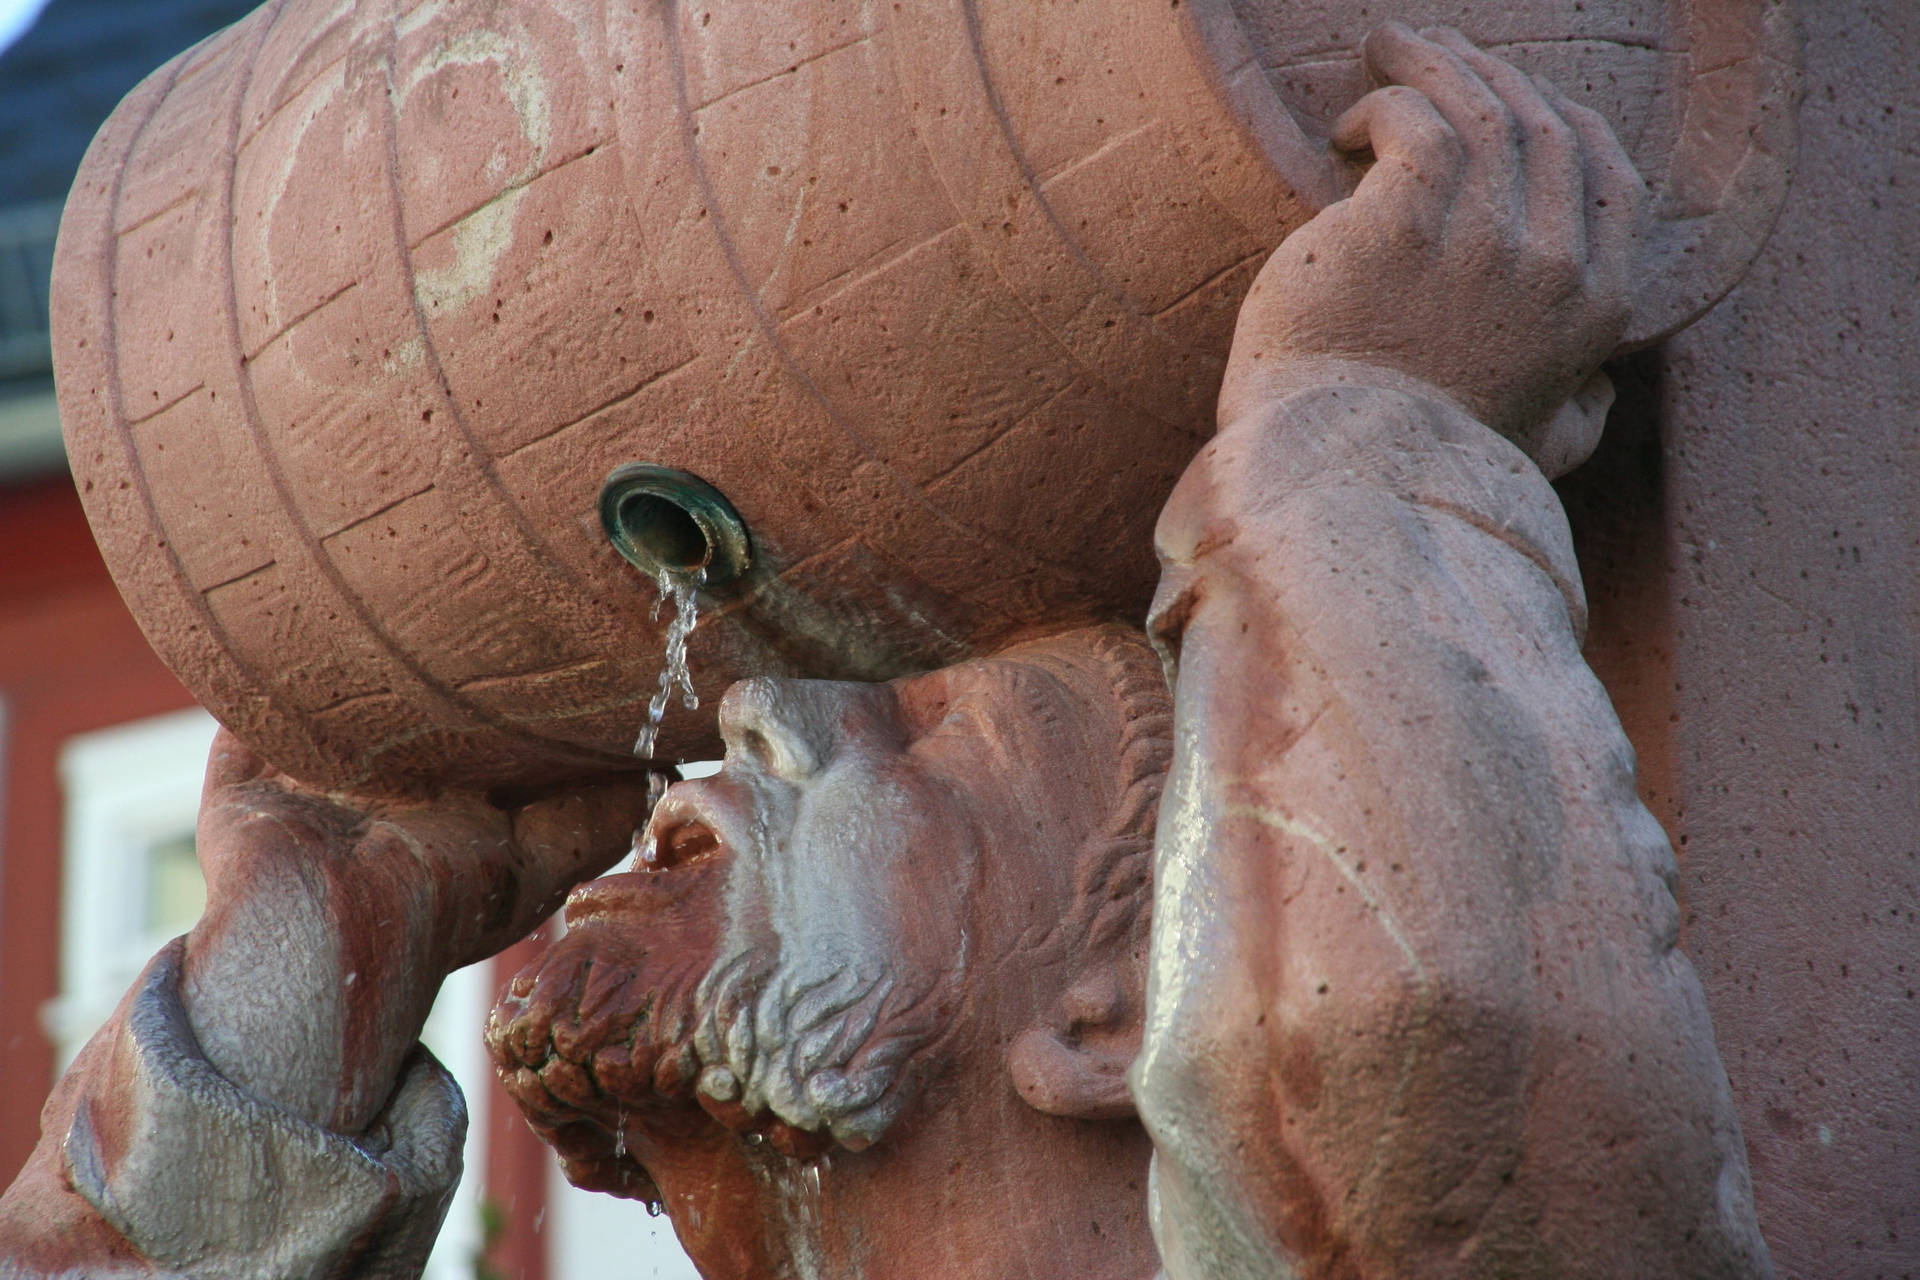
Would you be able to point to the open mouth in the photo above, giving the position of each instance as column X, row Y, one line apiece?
column 677, row 839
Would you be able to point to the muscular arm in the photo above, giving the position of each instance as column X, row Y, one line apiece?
column 1415, row 1008
column 1414, row 936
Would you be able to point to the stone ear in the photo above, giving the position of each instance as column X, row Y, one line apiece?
column 1073, row 1060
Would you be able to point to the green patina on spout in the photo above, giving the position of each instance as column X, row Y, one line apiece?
column 666, row 521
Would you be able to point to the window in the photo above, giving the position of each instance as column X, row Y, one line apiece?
column 130, row 881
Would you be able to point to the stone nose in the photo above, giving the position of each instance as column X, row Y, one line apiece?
column 765, row 722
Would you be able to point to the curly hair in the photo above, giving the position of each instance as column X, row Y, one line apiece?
column 1116, row 671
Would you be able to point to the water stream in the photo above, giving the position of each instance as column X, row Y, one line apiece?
column 799, row 1197
column 684, row 590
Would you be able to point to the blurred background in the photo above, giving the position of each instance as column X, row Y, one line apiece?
column 101, row 750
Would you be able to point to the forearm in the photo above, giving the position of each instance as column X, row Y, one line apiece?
column 1371, row 573
column 298, row 987
column 330, row 924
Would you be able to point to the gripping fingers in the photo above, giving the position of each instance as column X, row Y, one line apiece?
column 231, row 762
column 1486, row 127
column 1418, row 156
column 1552, row 175
column 1616, row 195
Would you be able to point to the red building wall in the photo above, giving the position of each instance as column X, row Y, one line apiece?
column 71, row 660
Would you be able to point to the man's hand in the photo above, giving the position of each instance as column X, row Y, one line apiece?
column 1489, row 252
column 330, row 922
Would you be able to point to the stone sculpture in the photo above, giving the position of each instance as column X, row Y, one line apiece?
column 1411, row 1004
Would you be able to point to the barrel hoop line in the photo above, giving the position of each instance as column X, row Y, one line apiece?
column 771, row 330
column 308, row 542
column 122, row 426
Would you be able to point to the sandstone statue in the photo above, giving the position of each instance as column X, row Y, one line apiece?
column 1400, row 994
column 357, row 305
column 885, row 970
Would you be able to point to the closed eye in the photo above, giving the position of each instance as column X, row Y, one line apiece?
column 966, row 715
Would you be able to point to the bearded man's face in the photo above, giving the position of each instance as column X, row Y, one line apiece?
column 794, row 940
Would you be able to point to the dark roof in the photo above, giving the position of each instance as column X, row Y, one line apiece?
column 72, row 67
column 58, row 83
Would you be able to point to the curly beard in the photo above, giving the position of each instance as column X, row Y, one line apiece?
column 822, row 1046
column 620, row 1025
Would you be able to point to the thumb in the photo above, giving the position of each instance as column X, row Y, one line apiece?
column 1567, row 439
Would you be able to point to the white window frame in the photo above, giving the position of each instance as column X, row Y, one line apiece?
column 125, row 788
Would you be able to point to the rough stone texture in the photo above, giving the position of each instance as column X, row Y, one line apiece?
column 1750, row 535
column 1414, row 1005
column 359, row 303
column 1754, row 614
column 259, row 1104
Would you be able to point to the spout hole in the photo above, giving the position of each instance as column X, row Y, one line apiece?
column 664, row 520
column 665, row 532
